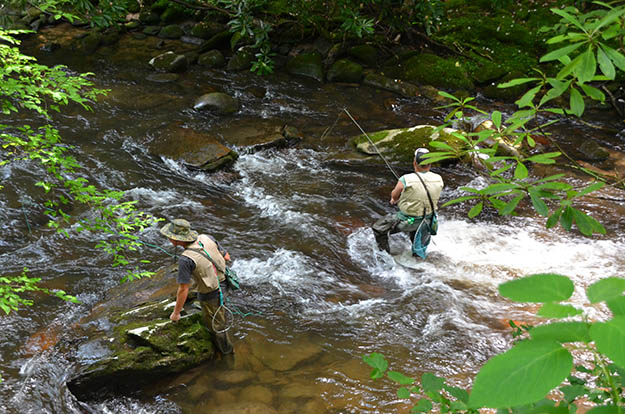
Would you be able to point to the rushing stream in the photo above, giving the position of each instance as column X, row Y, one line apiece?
column 295, row 221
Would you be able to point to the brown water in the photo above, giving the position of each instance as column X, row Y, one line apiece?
column 296, row 223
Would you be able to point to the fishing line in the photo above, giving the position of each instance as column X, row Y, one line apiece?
column 371, row 141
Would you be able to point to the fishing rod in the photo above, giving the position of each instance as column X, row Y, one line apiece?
column 371, row 141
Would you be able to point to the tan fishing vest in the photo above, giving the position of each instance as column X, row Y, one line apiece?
column 414, row 200
column 204, row 273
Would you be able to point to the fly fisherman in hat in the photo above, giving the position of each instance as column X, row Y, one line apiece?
column 411, row 196
column 203, row 261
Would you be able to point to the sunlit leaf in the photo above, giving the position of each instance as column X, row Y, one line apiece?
column 539, row 205
column 556, row 310
column 609, row 338
column 616, row 58
column 562, row 332
column 520, row 171
column 528, row 97
column 516, row 82
column 431, row 383
column 400, row 378
column 605, row 289
column 588, row 67
column 378, row 363
column 583, row 223
column 538, row 288
column 557, row 54
column 566, row 219
column 477, row 209
column 511, row 205
column 617, row 305
column 522, row 375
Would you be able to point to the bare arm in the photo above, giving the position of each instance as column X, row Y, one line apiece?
column 399, row 187
column 181, row 298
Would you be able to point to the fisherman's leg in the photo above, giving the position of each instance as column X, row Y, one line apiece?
column 382, row 228
column 215, row 317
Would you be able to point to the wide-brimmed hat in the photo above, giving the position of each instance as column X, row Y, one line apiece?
column 419, row 154
column 179, row 229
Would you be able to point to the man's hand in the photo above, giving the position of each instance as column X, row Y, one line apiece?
column 175, row 316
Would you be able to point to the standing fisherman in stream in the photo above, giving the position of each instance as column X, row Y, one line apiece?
column 204, row 261
column 416, row 194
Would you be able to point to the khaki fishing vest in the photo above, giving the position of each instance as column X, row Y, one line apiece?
column 414, row 200
column 204, row 273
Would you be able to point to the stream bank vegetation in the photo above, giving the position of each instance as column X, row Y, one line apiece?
column 582, row 60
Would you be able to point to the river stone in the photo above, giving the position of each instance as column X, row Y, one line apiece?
column 149, row 18
column 162, row 77
column 194, row 149
column 212, row 59
column 90, row 43
column 234, row 377
column 592, row 151
column 256, row 393
column 403, row 88
column 307, row 64
column 207, row 29
column 171, row 31
column 245, row 407
column 218, row 102
column 345, row 71
column 241, row 59
column 152, row 30
column 366, row 54
column 169, row 62
column 399, row 144
column 283, row 357
column 216, row 42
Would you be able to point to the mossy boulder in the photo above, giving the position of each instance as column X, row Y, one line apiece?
column 399, row 144
column 90, row 43
column 429, row 69
column 129, row 341
column 207, row 29
column 307, row 64
column 345, row 71
column 212, row 59
column 171, row 31
column 241, row 59
column 365, row 54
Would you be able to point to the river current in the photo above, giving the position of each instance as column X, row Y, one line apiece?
column 296, row 222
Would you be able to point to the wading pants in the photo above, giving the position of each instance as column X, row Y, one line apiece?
column 391, row 224
column 217, row 325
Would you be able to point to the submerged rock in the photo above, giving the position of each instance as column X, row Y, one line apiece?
column 218, row 102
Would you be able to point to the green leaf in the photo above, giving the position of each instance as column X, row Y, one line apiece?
column 572, row 392
column 588, row 66
column 583, row 222
column 592, row 187
column 562, row 332
column 593, row 92
column 400, row 378
column 609, row 338
column 605, row 289
column 569, row 18
column 604, row 409
column 520, row 171
column 457, row 393
column 617, row 305
column 566, row 219
column 558, row 53
column 605, row 64
column 477, row 209
column 556, row 310
column 538, row 288
column 615, row 57
column 403, row 393
column 528, row 97
column 459, row 200
column 511, row 205
column 516, row 82
column 432, row 383
column 423, row 406
column 496, row 117
column 378, row 363
column 577, row 102
column 538, row 203
column 522, row 375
